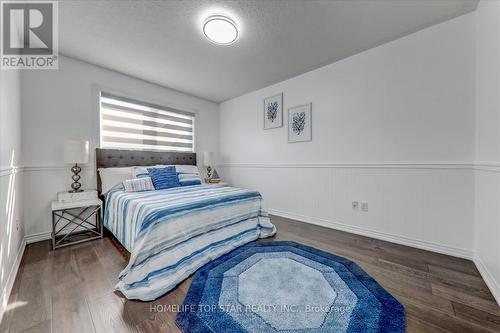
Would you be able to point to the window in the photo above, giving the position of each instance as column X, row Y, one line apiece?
column 131, row 124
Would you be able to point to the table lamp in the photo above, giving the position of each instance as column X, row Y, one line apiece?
column 76, row 152
column 208, row 161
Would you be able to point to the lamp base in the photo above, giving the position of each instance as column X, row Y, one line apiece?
column 75, row 187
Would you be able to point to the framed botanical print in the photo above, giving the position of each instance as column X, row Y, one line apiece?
column 273, row 111
column 300, row 123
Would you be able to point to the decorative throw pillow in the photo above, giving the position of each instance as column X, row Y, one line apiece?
column 138, row 184
column 142, row 171
column 164, row 178
column 188, row 175
column 186, row 179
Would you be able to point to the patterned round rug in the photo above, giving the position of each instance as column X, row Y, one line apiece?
column 287, row 287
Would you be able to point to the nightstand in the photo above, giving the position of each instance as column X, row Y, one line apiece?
column 76, row 222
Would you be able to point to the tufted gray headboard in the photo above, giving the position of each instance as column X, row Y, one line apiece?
column 109, row 158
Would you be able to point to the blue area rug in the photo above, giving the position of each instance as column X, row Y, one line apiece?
column 287, row 287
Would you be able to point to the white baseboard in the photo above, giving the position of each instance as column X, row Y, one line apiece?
column 488, row 278
column 10, row 280
column 33, row 238
column 403, row 240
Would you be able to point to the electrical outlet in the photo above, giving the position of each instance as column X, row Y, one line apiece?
column 364, row 206
column 17, row 225
column 355, row 205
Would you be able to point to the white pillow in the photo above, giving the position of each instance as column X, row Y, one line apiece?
column 140, row 171
column 191, row 169
column 110, row 177
column 188, row 175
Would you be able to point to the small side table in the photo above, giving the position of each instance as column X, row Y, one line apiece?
column 76, row 222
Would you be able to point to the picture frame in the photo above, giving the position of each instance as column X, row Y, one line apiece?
column 273, row 111
column 300, row 123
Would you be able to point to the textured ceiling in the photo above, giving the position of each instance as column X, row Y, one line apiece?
column 162, row 42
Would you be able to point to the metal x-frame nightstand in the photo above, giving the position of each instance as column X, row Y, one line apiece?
column 82, row 220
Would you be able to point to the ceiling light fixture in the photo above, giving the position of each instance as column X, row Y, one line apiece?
column 220, row 30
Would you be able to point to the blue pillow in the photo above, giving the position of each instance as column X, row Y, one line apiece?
column 164, row 178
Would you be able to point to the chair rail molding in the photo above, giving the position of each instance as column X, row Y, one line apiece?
column 61, row 167
column 487, row 166
column 356, row 165
column 479, row 165
column 9, row 170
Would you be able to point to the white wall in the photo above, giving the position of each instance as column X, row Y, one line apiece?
column 393, row 126
column 62, row 104
column 11, row 221
column 488, row 143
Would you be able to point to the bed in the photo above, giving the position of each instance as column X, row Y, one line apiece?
column 170, row 233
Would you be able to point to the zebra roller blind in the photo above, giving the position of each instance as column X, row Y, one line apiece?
column 130, row 124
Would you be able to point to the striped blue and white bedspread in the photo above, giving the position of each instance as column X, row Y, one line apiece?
column 171, row 233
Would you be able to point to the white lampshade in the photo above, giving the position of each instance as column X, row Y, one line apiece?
column 208, row 158
column 76, row 151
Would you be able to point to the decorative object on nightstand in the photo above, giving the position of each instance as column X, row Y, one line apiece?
column 215, row 177
column 208, row 161
column 76, row 222
column 76, row 152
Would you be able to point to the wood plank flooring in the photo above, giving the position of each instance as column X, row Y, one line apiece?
column 71, row 289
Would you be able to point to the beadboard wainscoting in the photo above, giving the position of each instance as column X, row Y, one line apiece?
column 11, row 230
column 429, row 206
column 41, row 184
column 11, row 277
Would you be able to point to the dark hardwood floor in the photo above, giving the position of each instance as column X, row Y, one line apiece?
column 71, row 289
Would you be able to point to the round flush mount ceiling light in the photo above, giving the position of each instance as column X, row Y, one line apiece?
column 220, row 30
